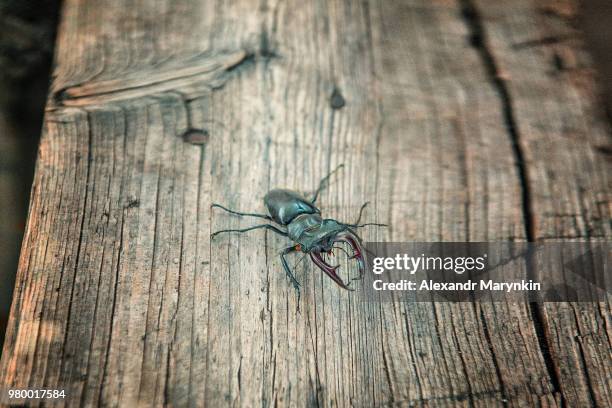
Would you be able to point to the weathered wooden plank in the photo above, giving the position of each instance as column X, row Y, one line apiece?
column 560, row 128
column 123, row 299
column 434, row 106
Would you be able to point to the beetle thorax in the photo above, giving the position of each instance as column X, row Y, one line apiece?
column 312, row 232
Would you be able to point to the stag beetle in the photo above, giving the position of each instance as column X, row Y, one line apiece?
column 303, row 224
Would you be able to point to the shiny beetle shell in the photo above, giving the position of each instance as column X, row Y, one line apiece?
column 284, row 205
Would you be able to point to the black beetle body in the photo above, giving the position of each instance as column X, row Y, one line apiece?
column 284, row 205
column 304, row 225
column 302, row 219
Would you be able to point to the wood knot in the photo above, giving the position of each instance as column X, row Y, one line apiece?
column 132, row 203
column 196, row 136
column 336, row 101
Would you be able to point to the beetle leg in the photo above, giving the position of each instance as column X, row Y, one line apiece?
column 266, row 226
column 294, row 281
column 267, row 217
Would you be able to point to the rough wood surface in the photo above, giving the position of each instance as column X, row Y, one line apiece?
column 26, row 50
column 470, row 120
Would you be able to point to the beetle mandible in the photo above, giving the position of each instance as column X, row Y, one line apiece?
column 300, row 220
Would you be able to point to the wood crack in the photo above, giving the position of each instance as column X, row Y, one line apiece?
column 589, row 382
column 474, row 23
column 487, row 335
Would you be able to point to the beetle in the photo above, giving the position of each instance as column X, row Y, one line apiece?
column 300, row 220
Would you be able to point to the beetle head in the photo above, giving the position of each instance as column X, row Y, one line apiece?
column 318, row 237
column 325, row 245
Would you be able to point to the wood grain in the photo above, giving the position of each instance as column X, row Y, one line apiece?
column 449, row 124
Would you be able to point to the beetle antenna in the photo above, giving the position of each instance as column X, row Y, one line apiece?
column 363, row 206
column 323, row 183
column 365, row 225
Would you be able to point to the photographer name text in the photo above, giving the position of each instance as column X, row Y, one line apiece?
column 469, row 285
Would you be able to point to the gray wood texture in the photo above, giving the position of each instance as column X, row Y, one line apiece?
column 459, row 120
